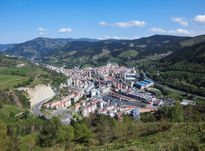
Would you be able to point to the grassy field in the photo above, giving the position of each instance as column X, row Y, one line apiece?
column 9, row 81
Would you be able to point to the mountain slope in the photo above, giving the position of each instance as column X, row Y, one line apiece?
column 74, row 52
column 3, row 47
column 124, row 52
column 193, row 41
column 184, row 69
column 37, row 47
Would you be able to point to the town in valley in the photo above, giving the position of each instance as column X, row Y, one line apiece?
column 111, row 90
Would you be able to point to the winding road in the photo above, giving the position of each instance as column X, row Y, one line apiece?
column 61, row 112
column 36, row 108
column 172, row 89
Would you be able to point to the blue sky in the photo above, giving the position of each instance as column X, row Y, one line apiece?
column 22, row 20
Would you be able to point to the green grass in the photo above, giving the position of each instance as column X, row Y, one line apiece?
column 9, row 81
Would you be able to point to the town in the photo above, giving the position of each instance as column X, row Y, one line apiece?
column 112, row 90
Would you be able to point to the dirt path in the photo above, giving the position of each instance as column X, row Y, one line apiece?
column 16, row 100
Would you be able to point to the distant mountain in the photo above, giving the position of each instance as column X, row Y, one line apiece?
column 184, row 69
column 36, row 48
column 3, row 47
column 82, row 52
column 193, row 41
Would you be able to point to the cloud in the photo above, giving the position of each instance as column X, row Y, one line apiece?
column 183, row 31
column 42, row 29
column 132, row 23
column 179, row 31
column 103, row 23
column 181, row 21
column 42, row 33
column 65, row 30
column 200, row 19
column 116, row 38
column 157, row 30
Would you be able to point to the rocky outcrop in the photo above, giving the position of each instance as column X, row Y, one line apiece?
column 39, row 93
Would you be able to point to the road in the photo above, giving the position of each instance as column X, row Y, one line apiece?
column 172, row 89
column 36, row 108
column 61, row 112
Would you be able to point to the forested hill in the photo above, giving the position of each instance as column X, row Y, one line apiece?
column 124, row 52
column 41, row 47
column 3, row 47
column 184, row 69
column 36, row 47
column 73, row 52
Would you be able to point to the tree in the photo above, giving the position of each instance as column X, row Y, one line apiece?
column 4, row 139
column 65, row 134
column 141, row 77
column 82, row 132
column 12, row 114
column 177, row 113
column 27, row 143
column 196, row 116
column 1, row 105
column 104, row 129
column 48, row 135
column 120, row 130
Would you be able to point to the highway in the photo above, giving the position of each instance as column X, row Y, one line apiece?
column 172, row 89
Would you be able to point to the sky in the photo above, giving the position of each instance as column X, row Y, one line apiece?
column 22, row 20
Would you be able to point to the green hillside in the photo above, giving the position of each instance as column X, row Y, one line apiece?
column 16, row 73
column 159, row 131
column 174, row 128
column 124, row 52
column 3, row 47
column 82, row 52
column 36, row 47
column 184, row 69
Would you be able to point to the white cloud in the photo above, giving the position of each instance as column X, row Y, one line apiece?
column 42, row 29
column 171, row 32
column 132, row 23
column 42, row 33
column 65, row 30
column 200, row 19
column 181, row 31
column 181, row 21
column 116, row 38
column 157, row 30
column 102, row 23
